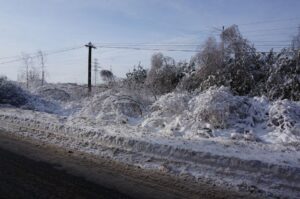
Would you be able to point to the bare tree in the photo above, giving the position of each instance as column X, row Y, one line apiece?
column 42, row 58
column 30, row 75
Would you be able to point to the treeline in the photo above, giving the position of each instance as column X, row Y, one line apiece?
column 231, row 61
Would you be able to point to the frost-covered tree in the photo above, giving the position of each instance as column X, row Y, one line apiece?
column 210, row 55
column 296, row 41
column 163, row 74
column 239, row 63
column 235, row 46
column 283, row 80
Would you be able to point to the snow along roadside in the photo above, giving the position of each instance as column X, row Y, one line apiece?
column 210, row 161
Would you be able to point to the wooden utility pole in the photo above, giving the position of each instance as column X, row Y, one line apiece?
column 90, row 46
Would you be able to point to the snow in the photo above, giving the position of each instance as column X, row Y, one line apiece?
column 197, row 133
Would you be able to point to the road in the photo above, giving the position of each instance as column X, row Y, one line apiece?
column 21, row 177
column 33, row 169
column 30, row 169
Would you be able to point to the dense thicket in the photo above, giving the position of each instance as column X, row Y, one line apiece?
column 232, row 62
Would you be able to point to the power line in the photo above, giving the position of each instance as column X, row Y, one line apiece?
column 151, row 49
column 271, row 29
column 269, row 21
column 53, row 52
column 147, row 44
column 269, row 41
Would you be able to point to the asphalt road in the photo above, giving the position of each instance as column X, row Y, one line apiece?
column 21, row 177
column 33, row 169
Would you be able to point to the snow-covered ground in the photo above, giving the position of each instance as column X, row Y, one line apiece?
column 211, row 135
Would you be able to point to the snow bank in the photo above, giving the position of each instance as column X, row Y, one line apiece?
column 109, row 107
column 61, row 92
column 216, row 112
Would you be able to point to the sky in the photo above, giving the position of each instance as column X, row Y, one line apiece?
column 27, row 26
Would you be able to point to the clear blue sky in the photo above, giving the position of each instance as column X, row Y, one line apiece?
column 29, row 25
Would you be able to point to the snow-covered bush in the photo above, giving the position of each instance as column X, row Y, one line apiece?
column 110, row 106
column 284, row 118
column 54, row 93
column 220, row 108
column 12, row 94
column 136, row 78
column 165, row 112
column 172, row 103
column 64, row 92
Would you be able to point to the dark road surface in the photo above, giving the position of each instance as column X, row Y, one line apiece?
column 33, row 169
column 21, row 177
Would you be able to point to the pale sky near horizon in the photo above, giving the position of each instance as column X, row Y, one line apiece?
column 30, row 25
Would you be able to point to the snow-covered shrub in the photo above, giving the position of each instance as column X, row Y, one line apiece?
column 171, row 103
column 165, row 110
column 64, row 92
column 54, row 93
column 189, row 82
column 12, row 94
column 136, row 78
column 284, row 118
column 220, row 108
column 110, row 106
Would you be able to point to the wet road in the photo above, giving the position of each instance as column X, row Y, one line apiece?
column 21, row 177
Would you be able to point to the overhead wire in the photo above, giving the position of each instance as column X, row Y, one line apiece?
column 269, row 21
column 47, row 53
column 151, row 49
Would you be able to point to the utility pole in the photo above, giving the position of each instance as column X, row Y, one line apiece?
column 27, row 61
column 41, row 55
column 90, row 46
